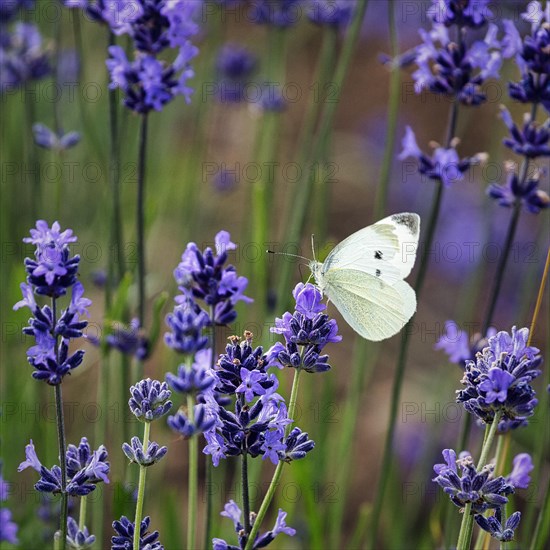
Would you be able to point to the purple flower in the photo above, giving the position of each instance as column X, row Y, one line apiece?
column 205, row 276
column 335, row 13
column 309, row 300
column 499, row 380
column 129, row 340
column 150, row 399
column 250, row 383
column 495, row 527
column 234, row 368
column 187, row 323
column 8, row 528
column 496, row 385
column 84, row 472
column 124, row 535
column 147, row 82
column 532, row 198
column 236, row 63
column 531, row 141
column 444, row 165
column 279, row 13
column 519, row 476
column 53, row 270
column 272, row 446
column 135, row 452
column 281, row 526
column 297, row 444
column 215, row 447
column 23, row 57
column 48, row 139
column 232, row 511
column 203, row 421
column 481, row 489
column 76, row 537
column 455, row 70
column 198, row 378
column 306, row 328
column 469, row 13
column 9, row 8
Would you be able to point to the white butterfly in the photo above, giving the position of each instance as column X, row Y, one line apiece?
column 363, row 276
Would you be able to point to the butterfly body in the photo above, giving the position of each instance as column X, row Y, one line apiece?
column 363, row 276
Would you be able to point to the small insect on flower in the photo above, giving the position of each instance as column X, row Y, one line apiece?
column 363, row 276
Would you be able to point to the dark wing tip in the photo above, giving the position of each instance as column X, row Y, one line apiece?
column 410, row 221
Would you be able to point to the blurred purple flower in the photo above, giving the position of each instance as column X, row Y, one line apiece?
column 48, row 139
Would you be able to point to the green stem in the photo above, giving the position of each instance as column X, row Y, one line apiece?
column 246, row 498
column 267, row 145
column 140, row 222
column 82, row 513
column 140, row 219
column 193, row 479
column 467, row 525
column 300, row 205
column 32, row 157
column 499, row 276
column 278, row 471
column 116, row 257
column 543, row 524
column 63, row 464
column 141, row 488
column 209, row 467
column 61, row 442
column 208, row 507
column 522, row 177
column 393, row 111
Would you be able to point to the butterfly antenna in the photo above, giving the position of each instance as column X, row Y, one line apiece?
column 313, row 246
column 288, row 254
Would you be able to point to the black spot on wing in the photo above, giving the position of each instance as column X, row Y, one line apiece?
column 410, row 221
column 378, row 273
column 378, row 255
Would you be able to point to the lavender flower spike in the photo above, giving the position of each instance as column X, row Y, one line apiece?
column 150, row 400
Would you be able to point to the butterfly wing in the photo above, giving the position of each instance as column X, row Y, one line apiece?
column 386, row 250
column 371, row 307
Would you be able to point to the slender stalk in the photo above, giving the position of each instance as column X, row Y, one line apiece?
column 61, row 442
column 543, row 524
column 140, row 222
column 483, row 540
column 141, row 488
column 509, row 240
column 393, row 111
column 116, row 258
column 278, row 471
column 82, row 513
column 63, row 464
column 32, row 157
column 467, row 525
column 300, row 205
column 266, row 153
column 540, row 452
column 209, row 467
column 540, row 297
column 193, row 480
column 140, row 219
column 246, row 498
column 499, row 276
